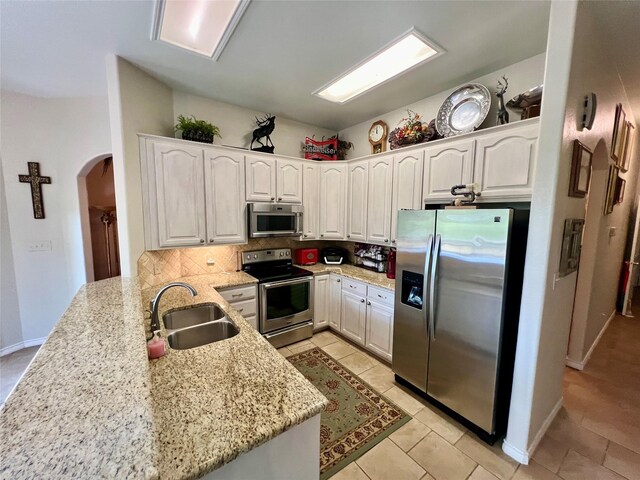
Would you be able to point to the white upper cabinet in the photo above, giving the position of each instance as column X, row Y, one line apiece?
column 505, row 162
column 310, row 200
column 407, row 186
column 333, row 199
column 445, row 166
column 379, row 200
column 179, row 195
column 273, row 180
column 357, row 201
column 226, row 207
column 289, row 181
column 260, row 179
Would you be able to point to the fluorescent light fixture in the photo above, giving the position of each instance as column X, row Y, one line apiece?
column 406, row 52
column 200, row 26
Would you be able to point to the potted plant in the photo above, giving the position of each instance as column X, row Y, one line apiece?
column 196, row 130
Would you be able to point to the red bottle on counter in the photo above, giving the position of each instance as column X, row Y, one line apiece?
column 391, row 264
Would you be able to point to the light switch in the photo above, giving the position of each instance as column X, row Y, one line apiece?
column 41, row 246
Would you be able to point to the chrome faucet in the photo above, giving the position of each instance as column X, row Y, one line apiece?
column 155, row 303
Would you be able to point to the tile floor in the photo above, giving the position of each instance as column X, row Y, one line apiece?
column 595, row 436
column 12, row 367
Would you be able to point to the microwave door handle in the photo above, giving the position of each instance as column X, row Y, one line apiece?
column 432, row 286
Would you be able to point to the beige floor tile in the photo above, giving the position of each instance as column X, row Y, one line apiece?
column 324, row 338
column 444, row 426
column 534, row 471
column 550, row 453
column 578, row 438
column 579, row 467
column 407, row 436
column 623, row 433
column 285, row 352
column 623, row 461
column 498, row 464
column 386, row 461
column 379, row 377
column 301, row 346
column 339, row 349
column 404, row 400
column 441, row 459
column 481, row 473
column 427, row 477
column 357, row 362
column 350, row 472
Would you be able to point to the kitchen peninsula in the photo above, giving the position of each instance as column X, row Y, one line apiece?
column 92, row 405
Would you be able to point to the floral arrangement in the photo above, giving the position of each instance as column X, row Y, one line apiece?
column 343, row 147
column 196, row 130
column 412, row 131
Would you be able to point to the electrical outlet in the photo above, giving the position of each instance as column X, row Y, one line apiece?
column 41, row 246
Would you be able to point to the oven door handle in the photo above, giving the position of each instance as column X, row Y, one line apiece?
column 281, row 283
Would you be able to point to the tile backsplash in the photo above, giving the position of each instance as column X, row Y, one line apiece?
column 162, row 266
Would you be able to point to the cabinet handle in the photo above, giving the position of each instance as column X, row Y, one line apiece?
column 393, row 241
column 348, row 236
column 305, row 235
column 368, row 303
column 386, row 240
column 237, row 294
column 273, row 198
column 338, row 280
column 240, row 310
column 202, row 240
column 322, row 234
column 211, row 240
column 362, row 300
column 279, row 199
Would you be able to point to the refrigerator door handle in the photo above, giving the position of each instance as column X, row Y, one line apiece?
column 427, row 264
column 432, row 287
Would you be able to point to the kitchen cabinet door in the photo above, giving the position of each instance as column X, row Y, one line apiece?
column 354, row 312
column 335, row 301
column 379, row 200
column 379, row 331
column 321, row 301
column 226, row 206
column 505, row 163
column 333, row 199
column 289, row 181
column 310, row 201
column 407, row 186
column 179, row 195
column 260, row 179
column 445, row 166
column 357, row 201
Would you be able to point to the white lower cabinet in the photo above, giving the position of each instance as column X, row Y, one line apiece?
column 353, row 317
column 321, row 287
column 379, row 331
column 243, row 299
column 335, row 301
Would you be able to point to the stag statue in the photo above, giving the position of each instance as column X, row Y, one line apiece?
column 265, row 129
column 503, row 115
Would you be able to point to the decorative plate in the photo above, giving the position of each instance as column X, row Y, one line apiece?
column 464, row 110
column 526, row 99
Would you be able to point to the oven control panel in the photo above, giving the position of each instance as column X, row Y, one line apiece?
column 265, row 255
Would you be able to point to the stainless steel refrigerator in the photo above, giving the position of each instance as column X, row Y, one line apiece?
column 458, row 289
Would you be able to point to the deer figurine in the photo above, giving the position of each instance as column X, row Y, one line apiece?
column 503, row 115
column 265, row 128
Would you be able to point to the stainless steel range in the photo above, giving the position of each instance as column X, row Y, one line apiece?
column 285, row 294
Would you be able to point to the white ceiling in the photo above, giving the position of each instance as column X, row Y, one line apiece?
column 279, row 54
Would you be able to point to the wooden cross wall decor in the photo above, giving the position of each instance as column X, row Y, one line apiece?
column 36, row 181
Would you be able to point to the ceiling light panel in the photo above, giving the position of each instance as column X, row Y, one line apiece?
column 403, row 54
column 200, row 26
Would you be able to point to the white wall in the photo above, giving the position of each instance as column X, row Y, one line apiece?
column 237, row 123
column 10, row 326
column 593, row 71
column 138, row 103
column 62, row 135
column 522, row 76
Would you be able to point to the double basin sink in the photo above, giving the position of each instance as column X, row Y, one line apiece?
column 199, row 325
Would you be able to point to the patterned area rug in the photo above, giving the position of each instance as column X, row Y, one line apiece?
column 357, row 417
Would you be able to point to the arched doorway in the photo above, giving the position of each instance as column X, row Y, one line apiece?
column 99, row 218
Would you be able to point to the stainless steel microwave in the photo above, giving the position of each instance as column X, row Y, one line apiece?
column 275, row 220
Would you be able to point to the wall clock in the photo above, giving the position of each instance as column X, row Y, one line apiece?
column 378, row 137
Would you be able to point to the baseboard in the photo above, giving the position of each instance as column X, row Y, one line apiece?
column 20, row 345
column 523, row 456
column 579, row 365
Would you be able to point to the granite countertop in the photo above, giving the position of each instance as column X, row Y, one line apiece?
column 92, row 405
column 352, row 271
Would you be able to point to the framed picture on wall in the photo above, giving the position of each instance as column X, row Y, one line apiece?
column 580, row 170
column 626, row 147
column 610, row 200
column 621, row 184
column 617, row 138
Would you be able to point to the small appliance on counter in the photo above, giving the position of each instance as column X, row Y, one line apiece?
column 306, row 256
column 334, row 256
column 371, row 257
